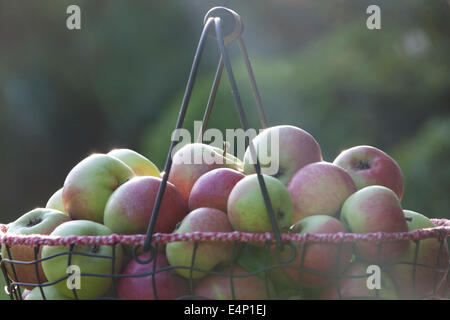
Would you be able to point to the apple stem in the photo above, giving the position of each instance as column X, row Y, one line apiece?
column 33, row 222
column 362, row 165
column 408, row 219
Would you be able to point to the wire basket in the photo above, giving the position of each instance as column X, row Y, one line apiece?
column 275, row 264
column 243, row 246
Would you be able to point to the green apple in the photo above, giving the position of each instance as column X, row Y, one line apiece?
column 208, row 254
column 50, row 292
column 375, row 209
column 55, row 202
column 247, row 210
column 429, row 257
column 55, row 267
column 318, row 259
column 89, row 185
column 38, row 221
column 140, row 165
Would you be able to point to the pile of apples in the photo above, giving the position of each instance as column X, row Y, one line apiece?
column 114, row 193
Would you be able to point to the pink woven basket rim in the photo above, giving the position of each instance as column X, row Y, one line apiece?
column 441, row 231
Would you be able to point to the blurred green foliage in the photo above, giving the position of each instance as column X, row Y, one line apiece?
column 119, row 82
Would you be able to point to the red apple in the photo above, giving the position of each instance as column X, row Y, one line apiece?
column 246, row 287
column 370, row 166
column 319, row 188
column 375, row 209
column 318, row 257
column 168, row 285
column 129, row 209
column 193, row 160
column 213, row 188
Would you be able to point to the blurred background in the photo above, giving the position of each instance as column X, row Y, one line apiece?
column 119, row 81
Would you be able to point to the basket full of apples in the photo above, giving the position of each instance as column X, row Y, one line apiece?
column 278, row 222
column 341, row 226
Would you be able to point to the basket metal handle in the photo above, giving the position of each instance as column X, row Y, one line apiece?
column 225, row 26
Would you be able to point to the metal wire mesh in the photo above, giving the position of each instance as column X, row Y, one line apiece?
column 241, row 243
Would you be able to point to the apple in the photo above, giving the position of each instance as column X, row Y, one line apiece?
column 55, row 267
column 370, row 166
column 168, row 285
column 193, row 160
column 247, row 210
column 50, row 292
column 312, row 293
column 38, row 221
column 140, row 165
column 208, row 254
column 375, row 209
column 425, row 277
column 319, row 258
column 55, row 202
column 354, row 285
column 445, row 289
column 129, row 209
column 213, row 189
column 255, row 258
column 319, row 188
column 290, row 294
column 282, row 151
column 89, row 185
column 246, row 286
column 25, row 293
